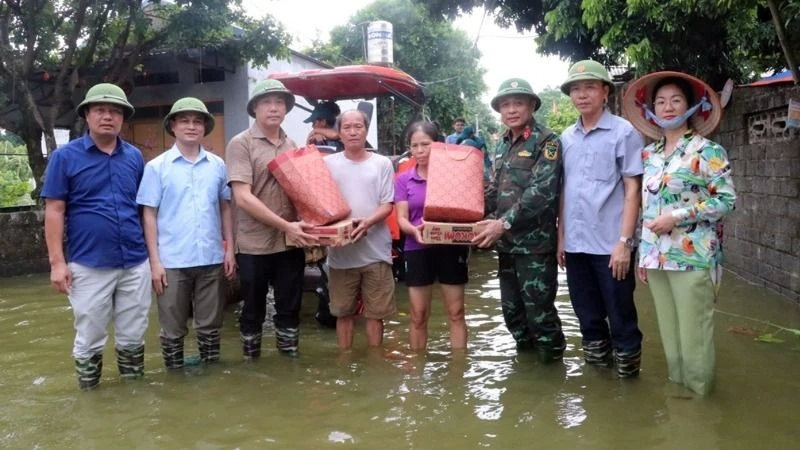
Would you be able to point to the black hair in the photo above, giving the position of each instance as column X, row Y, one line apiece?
column 681, row 83
column 424, row 126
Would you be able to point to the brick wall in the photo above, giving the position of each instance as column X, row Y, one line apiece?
column 22, row 246
column 763, row 234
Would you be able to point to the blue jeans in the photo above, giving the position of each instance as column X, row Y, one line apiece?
column 597, row 296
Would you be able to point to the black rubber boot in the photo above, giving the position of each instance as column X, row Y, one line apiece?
column 287, row 340
column 628, row 364
column 598, row 353
column 251, row 345
column 208, row 343
column 172, row 351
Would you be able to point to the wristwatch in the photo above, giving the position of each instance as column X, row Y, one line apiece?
column 506, row 224
column 627, row 241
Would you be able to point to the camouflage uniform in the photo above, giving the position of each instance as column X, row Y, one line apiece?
column 525, row 194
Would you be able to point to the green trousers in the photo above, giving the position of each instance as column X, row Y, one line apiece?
column 528, row 286
column 684, row 302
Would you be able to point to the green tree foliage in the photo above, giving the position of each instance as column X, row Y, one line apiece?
column 52, row 50
column 476, row 112
column 15, row 175
column 562, row 115
column 430, row 50
column 550, row 96
column 557, row 111
column 13, row 139
column 715, row 39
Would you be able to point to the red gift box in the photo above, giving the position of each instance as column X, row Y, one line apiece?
column 310, row 186
column 454, row 192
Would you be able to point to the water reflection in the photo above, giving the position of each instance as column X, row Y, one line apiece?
column 488, row 396
column 571, row 413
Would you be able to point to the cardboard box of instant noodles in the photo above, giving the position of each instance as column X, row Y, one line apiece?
column 450, row 233
column 335, row 234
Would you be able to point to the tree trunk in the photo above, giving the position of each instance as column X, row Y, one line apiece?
column 32, row 135
column 788, row 52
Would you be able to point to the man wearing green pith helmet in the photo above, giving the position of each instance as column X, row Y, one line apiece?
column 264, row 217
column 90, row 192
column 523, row 197
column 186, row 213
column 597, row 223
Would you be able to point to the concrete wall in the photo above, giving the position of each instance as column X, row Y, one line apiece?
column 763, row 234
column 22, row 246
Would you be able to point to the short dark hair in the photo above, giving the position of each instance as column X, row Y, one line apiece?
column 459, row 119
column 424, row 126
column 680, row 83
column 362, row 113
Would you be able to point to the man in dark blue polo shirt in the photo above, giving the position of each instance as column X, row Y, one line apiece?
column 90, row 191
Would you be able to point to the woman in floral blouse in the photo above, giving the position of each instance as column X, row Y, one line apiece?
column 686, row 192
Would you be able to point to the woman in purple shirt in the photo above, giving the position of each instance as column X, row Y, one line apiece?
column 427, row 263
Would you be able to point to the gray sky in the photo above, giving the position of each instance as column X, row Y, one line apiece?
column 310, row 19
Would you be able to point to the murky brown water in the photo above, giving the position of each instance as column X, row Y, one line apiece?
column 487, row 397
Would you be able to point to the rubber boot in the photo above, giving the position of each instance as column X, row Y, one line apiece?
column 598, row 353
column 287, row 340
column 549, row 355
column 251, row 345
column 628, row 364
column 208, row 342
column 89, row 371
column 526, row 345
column 130, row 361
column 172, row 351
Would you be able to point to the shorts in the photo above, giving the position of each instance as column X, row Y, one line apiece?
column 373, row 284
column 445, row 263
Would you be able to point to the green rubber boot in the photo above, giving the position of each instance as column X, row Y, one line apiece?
column 130, row 361
column 88, row 371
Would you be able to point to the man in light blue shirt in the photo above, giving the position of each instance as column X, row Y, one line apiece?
column 187, row 214
column 458, row 127
column 597, row 222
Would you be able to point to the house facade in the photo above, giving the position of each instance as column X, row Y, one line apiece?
column 223, row 86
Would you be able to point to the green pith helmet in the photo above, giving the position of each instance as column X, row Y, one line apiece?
column 269, row 86
column 189, row 104
column 515, row 86
column 106, row 93
column 587, row 70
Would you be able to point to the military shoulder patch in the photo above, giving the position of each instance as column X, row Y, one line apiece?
column 551, row 150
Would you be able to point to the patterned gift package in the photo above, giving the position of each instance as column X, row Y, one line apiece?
column 454, row 192
column 310, row 186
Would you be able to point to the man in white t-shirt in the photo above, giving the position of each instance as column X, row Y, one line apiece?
column 364, row 268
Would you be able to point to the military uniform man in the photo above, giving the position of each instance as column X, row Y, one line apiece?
column 524, row 198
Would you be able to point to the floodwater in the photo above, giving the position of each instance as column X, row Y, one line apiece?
column 390, row 399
